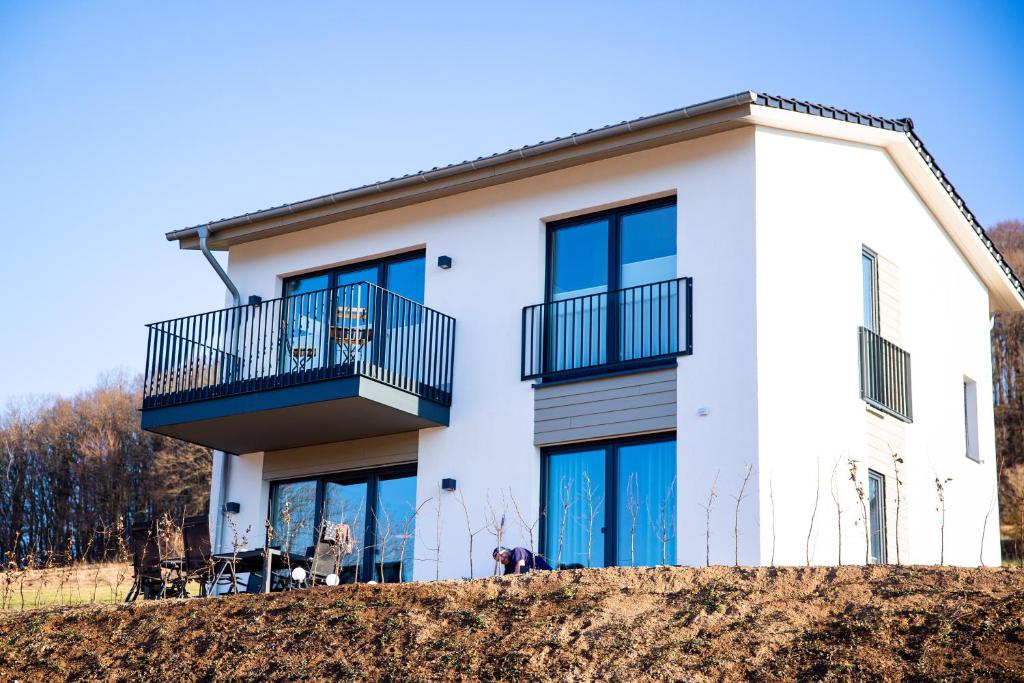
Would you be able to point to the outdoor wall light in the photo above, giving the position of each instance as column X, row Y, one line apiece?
column 255, row 300
column 448, row 484
column 233, row 508
column 444, row 262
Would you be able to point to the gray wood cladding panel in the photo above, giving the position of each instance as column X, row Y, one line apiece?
column 378, row 451
column 606, row 407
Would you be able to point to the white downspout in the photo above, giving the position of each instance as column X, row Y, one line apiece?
column 225, row 463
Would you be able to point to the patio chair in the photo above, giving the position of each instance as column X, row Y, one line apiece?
column 148, row 580
column 197, row 565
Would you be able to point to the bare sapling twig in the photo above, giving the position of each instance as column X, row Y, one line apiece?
column 712, row 494
column 238, row 543
column 359, row 548
column 123, row 558
column 897, row 461
column 633, row 508
column 496, row 524
column 592, row 507
column 814, row 510
column 436, row 549
column 528, row 527
column 664, row 525
column 407, row 535
column 771, row 502
column 837, row 498
column 268, row 525
column 858, row 487
column 984, row 524
column 736, row 520
column 383, row 535
column 566, row 500
column 940, row 492
column 470, row 532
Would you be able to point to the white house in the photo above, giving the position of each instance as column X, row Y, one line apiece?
column 597, row 335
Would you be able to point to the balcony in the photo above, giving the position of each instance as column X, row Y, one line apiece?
column 330, row 365
column 608, row 331
column 885, row 375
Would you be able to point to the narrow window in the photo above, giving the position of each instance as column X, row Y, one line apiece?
column 869, row 266
column 609, row 504
column 971, row 419
column 876, row 514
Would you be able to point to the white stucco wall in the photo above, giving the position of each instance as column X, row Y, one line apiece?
column 770, row 226
column 818, row 202
column 496, row 237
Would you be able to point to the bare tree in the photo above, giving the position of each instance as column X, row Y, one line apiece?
column 712, row 494
column 984, row 525
column 940, row 492
column 592, row 506
column 436, row 548
column 664, row 524
column 837, row 499
column 407, row 535
column 897, row 461
column 736, row 521
column 771, row 500
column 633, row 509
column 858, row 487
column 566, row 499
column 527, row 526
column 496, row 523
column 470, row 532
column 814, row 511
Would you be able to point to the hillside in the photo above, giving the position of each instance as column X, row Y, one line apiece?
column 718, row 623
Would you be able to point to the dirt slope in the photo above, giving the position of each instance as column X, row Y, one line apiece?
column 850, row 623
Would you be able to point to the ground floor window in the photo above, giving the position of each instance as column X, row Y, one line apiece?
column 876, row 515
column 378, row 506
column 610, row 503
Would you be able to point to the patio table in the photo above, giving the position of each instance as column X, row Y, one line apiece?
column 257, row 560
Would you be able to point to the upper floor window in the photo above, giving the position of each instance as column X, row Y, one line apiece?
column 869, row 267
column 612, row 296
column 626, row 247
column 402, row 274
column 971, row 419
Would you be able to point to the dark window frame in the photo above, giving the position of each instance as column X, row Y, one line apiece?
column 611, row 461
column 872, row 256
column 372, row 477
column 884, row 529
column 614, row 217
column 380, row 263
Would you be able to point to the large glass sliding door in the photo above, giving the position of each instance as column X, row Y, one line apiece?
column 610, row 295
column 612, row 503
column 341, row 313
column 378, row 507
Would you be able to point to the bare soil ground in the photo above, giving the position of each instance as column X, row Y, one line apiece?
column 707, row 624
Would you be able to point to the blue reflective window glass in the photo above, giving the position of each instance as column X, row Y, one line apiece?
column 646, row 495
column 293, row 516
column 870, row 287
column 395, row 529
column 647, row 244
column 574, row 533
column 345, row 503
column 406, row 278
column 579, row 260
column 876, row 514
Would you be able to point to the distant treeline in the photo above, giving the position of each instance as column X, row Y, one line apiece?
column 76, row 472
column 1008, row 375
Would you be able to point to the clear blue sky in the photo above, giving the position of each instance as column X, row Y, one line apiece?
column 119, row 121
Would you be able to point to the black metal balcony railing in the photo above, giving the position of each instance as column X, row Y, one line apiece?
column 621, row 327
column 358, row 329
column 885, row 375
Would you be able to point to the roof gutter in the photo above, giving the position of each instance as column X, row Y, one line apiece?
column 576, row 139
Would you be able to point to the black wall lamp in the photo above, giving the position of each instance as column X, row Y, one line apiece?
column 444, row 262
column 233, row 508
column 448, row 484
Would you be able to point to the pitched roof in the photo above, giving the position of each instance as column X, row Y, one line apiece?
column 902, row 125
